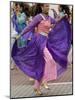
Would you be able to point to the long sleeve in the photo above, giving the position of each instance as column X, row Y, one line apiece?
column 36, row 20
column 14, row 19
column 15, row 22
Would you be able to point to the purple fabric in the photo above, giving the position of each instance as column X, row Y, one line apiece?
column 30, row 59
column 59, row 42
column 36, row 20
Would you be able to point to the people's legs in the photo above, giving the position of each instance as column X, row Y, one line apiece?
column 12, row 62
column 70, row 57
column 37, row 85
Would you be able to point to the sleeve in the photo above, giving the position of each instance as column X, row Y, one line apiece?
column 13, row 19
column 36, row 20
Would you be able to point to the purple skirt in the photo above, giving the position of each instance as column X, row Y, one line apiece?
column 31, row 60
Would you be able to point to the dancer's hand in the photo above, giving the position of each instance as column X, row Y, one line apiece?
column 18, row 36
column 51, row 27
column 29, row 38
column 60, row 18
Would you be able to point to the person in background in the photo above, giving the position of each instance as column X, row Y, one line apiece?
column 21, row 13
column 54, row 13
column 64, row 10
column 18, row 23
column 13, row 33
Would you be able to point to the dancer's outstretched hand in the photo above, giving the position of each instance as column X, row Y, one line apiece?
column 18, row 36
column 60, row 18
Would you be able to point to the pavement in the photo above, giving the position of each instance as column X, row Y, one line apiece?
column 22, row 87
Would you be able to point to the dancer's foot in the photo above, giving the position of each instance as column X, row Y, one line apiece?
column 45, row 85
column 37, row 92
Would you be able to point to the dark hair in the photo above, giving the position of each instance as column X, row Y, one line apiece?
column 65, row 9
column 25, row 7
column 36, row 9
column 16, row 3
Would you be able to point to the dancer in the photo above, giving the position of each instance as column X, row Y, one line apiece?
column 19, row 20
column 51, row 43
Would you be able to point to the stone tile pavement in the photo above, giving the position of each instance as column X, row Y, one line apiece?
column 22, row 87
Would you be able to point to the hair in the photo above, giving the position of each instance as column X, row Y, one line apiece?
column 36, row 9
column 25, row 8
column 65, row 9
column 16, row 3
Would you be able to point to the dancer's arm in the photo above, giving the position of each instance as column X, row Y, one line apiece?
column 36, row 20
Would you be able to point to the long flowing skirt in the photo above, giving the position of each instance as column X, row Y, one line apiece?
column 44, row 54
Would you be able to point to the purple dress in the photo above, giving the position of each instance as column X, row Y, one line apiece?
column 30, row 59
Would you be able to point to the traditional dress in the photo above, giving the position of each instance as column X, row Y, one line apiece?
column 19, row 23
column 44, row 54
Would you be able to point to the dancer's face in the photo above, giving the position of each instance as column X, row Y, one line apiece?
column 45, row 8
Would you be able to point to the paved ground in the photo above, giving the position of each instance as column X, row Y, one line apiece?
column 22, row 87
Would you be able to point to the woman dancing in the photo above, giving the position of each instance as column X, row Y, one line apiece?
column 45, row 56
